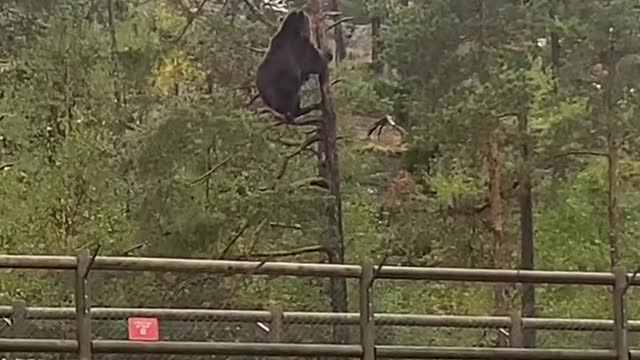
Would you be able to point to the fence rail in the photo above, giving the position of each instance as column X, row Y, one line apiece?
column 85, row 345
column 316, row 270
column 311, row 318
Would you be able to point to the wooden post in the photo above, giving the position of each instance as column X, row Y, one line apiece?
column 619, row 314
column 367, row 326
column 515, row 335
column 19, row 324
column 19, row 319
column 83, row 315
column 275, row 328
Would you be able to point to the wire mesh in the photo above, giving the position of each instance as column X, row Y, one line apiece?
column 321, row 332
column 632, row 299
column 590, row 303
column 206, row 329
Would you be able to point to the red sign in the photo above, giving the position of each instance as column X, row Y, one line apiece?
column 143, row 329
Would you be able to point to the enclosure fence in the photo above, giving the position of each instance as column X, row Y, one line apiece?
column 85, row 344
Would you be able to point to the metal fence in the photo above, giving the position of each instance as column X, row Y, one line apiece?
column 85, row 338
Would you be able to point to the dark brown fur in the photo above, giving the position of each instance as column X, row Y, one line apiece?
column 291, row 58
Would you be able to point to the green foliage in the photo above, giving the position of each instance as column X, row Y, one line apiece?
column 357, row 94
column 144, row 146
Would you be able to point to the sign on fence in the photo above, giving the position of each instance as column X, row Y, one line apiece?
column 143, row 329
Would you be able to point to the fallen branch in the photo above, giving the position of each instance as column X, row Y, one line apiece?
column 256, row 50
column 581, row 153
column 312, row 181
column 6, row 166
column 286, row 226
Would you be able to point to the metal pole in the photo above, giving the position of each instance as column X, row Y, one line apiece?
column 83, row 314
column 367, row 326
column 619, row 314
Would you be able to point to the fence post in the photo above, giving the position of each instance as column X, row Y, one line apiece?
column 19, row 319
column 83, row 315
column 275, row 328
column 367, row 329
column 19, row 324
column 619, row 314
column 515, row 334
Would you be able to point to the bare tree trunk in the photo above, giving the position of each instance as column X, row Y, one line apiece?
column 496, row 224
column 376, row 43
column 527, row 251
column 329, row 170
column 555, row 45
column 341, row 49
column 612, row 157
column 114, row 52
column 495, row 181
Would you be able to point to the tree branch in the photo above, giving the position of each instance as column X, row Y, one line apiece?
column 190, row 20
column 256, row 12
column 305, row 145
column 235, row 238
column 581, row 153
column 292, row 252
column 339, row 22
column 212, row 170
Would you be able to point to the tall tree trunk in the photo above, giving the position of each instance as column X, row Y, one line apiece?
column 114, row 52
column 329, row 170
column 496, row 224
column 555, row 45
column 527, row 251
column 376, row 43
column 612, row 157
column 341, row 49
column 495, row 181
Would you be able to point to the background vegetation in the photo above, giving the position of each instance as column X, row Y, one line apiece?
column 114, row 113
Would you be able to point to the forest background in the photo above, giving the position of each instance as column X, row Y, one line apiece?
column 124, row 123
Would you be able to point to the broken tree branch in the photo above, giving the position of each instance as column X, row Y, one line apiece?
column 286, row 226
column 386, row 120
